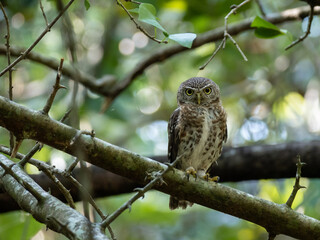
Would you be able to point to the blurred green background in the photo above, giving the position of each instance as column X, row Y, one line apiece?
column 272, row 98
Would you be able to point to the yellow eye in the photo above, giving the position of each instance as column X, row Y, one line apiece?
column 189, row 91
column 207, row 90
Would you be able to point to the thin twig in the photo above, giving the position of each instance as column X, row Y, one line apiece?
column 90, row 199
column 226, row 35
column 133, row 2
column 140, row 193
column 73, row 165
column 8, row 52
column 85, row 181
column 297, row 185
column 7, row 44
column 213, row 55
column 30, row 154
column 29, row 49
column 301, row 38
column 55, row 89
column 138, row 26
column 43, row 166
column 26, row 185
column 106, row 85
column 261, row 8
column 43, row 13
column 60, row 186
column 65, row 116
column 16, row 147
column 70, row 42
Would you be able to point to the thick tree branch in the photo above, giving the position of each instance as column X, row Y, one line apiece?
column 50, row 211
column 235, row 164
column 105, row 86
column 276, row 218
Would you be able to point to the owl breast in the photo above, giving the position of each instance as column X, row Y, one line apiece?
column 201, row 138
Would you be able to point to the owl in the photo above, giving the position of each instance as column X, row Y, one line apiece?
column 196, row 130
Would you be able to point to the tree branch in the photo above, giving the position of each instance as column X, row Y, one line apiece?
column 55, row 214
column 96, row 85
column 44, row 32
column 105, row 85
column 207, row 37
column 276, row 218
column 301, row 38
column 269, row 166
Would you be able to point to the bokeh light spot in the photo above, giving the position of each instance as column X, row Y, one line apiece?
column 126, row 46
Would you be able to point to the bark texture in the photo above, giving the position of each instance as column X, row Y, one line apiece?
column 46, row 208
column 276, row 218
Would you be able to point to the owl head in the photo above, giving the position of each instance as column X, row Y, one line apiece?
column 198, row 91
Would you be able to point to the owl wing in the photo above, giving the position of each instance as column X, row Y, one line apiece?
column 225, row 135
column 173, row 136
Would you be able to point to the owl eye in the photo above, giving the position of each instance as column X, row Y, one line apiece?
column 207, row 90
column 189, row 92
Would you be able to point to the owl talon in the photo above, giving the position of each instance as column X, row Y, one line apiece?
column 211, row 179
column 191, row 171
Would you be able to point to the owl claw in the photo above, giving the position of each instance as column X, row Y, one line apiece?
column 211, row 179
column 191, row 171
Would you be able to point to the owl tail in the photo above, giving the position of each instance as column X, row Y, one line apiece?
column 175, row 203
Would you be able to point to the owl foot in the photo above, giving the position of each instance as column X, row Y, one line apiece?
column 211, row 179
column 191, row 171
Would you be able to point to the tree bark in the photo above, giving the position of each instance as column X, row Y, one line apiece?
column 44, row 207
column 235, row 164
column 276, row 218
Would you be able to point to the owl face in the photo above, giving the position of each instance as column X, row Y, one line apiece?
column 198, row 91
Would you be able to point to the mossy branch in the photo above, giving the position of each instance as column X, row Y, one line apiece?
column 274, row 217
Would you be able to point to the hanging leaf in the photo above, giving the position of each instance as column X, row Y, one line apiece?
column 184, row 39
column 265, row 29
column 87, row 4
column 147, row 14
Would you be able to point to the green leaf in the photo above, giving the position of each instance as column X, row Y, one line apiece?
column 184, row 39
column 147, row 14
column 260, row 22
column 134, row 10
column 87, row 4
column 265, row 29
column 267, row 33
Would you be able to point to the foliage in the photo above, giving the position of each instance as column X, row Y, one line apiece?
column 265, row 29
column 272, row 99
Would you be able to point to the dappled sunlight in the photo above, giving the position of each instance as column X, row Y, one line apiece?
column 149, row 99
column 312, row 101
column 254, row 130
column 155, row 137
column 271, row 101
column 126, row 46
column 279, row 191
column 290, row 109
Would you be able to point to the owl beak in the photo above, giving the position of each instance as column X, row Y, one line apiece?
column 199, row 98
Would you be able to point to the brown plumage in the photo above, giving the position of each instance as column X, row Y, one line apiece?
column 196, row 129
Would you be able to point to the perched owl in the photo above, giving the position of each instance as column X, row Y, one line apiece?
column 196, row 130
